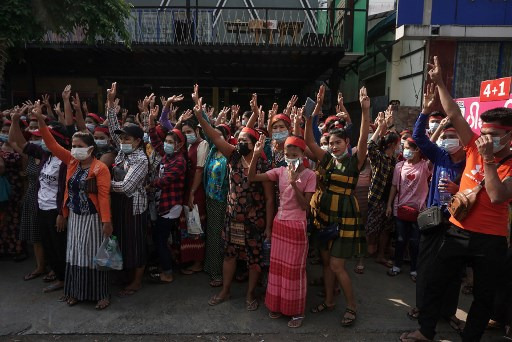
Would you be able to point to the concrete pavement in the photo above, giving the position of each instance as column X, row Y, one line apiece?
column 179, row 312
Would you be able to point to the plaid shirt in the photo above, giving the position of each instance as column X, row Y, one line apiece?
column 136, row 164
column 171, row 180
column 382, row 173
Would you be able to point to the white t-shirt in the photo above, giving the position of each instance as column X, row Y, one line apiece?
column 49, row 184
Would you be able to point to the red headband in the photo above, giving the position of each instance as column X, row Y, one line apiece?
column 405, row 131
column 96, row 118
column 58, row 135
column 102, row 130
column 492, row 125
column 251, row 132
column 326, row 134
column 283, row 117
column 300, row 143
column 411, row 140
column 226, row 127
column 330, row 119
column 450, row 129
column 440, row 117
column 179, row 134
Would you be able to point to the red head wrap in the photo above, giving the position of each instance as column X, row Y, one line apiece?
column 251, row 132
column 283, row 117
column 226, row 127
column 295, row 141
column 96, row 118
column 179, row 134
column 493, row 125
column 102, row 129
column 330, row 119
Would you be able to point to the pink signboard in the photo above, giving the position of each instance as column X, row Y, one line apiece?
column 471, row 108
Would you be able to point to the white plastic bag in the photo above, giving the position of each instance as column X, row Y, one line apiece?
column 193, row 220
column 109, row 256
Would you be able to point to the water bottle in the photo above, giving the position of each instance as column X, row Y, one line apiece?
column 444, row 196
column 266, row 253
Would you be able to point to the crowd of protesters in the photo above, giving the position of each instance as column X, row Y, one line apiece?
column 269, row 191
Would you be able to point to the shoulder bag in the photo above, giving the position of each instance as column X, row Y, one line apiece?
column 463, row 201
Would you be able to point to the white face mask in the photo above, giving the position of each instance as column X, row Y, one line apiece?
column 80, row 153
column 325, row 148
column 408, row 154
column 294, row 162
column 449, row 145
column 432, row 126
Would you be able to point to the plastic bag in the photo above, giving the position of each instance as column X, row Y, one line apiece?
column 109, row 256
column 193, row 220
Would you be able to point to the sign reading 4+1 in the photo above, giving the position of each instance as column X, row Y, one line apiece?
column 495, row 90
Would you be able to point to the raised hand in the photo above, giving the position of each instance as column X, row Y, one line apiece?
column 84, row 107
column 57, row 110
column 389, row 118
column 234, row 110
column 175, row 98
column 66, row 93
column 292, row 102
column 36, row 111
column 429, row 98
column 140, row 106
column 75, row 102
column 340, row 100
column 154, row 113
column 111, row 94
column 195, row 94
column 319, row 100
column 364, row 99
column 381, row 120
column 435, row 71
column 46, row 100
column 260, row 144
column 147, row 101
column 254, row 103
column 198, row 109
column 163, row 100
column 444, row 122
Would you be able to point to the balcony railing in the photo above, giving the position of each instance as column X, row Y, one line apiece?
column 236, row 26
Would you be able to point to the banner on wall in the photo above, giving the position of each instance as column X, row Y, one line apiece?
column 472, row 107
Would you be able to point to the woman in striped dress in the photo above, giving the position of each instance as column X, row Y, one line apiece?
column 334, row 203
column 128, row 194
column 287, row 284
column 88, row 209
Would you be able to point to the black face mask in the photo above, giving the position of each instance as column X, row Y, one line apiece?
column 243, row 148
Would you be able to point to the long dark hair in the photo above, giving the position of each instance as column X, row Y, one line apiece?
column 387, row 140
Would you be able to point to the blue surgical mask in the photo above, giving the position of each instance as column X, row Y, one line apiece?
column 168, row 148
column 101, row 143
column 496, row 146
column 146, row 138
column 36, row 142
column 449, row 145
column 43, row 146
column 408, row 154
column 127, row 148
column 90, row 127
column 4, row 137
column 280, row 136
column 191, row 138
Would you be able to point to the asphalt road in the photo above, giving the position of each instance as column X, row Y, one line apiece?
column 179, row 312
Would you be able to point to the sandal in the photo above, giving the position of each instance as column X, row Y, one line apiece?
column 50, row 277
column 216, row 283
column 103, row 303
column 63, row 299
column 252, row 306
column 127, row 292
column 348, row 321
column 189, row 271
column 456, row 324
column 72, row 301
column 359, row 269
column 157, row 279
column 295, row 322
column 393, row 271
column 33, row 275
column 406, row 337
column 322, row 307
column 53, row 287
column 274, row 315
column 386, row 263
column 413, row 314
column 216, row 300
column 467, row 290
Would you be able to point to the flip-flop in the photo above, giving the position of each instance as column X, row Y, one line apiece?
column 275, row 315
column 216, row 283
column 295, row 322
column 49, row 278
column 387, row 264
column 126, row 293
column 252, row 306
column 216, row 300
column 106, row 304
column 32, row 275
column 347, row 321
column 72, row 301
column 156, row 279
column 53, row 287
column 188, row 271
column 359, row 269
column 322, row 307
column 406, row 338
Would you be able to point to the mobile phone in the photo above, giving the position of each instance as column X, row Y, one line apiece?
column 309, row 107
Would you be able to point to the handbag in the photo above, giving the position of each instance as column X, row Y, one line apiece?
column 405, row 212
column 328, row 233
column 430, row 218
column 463, row 201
